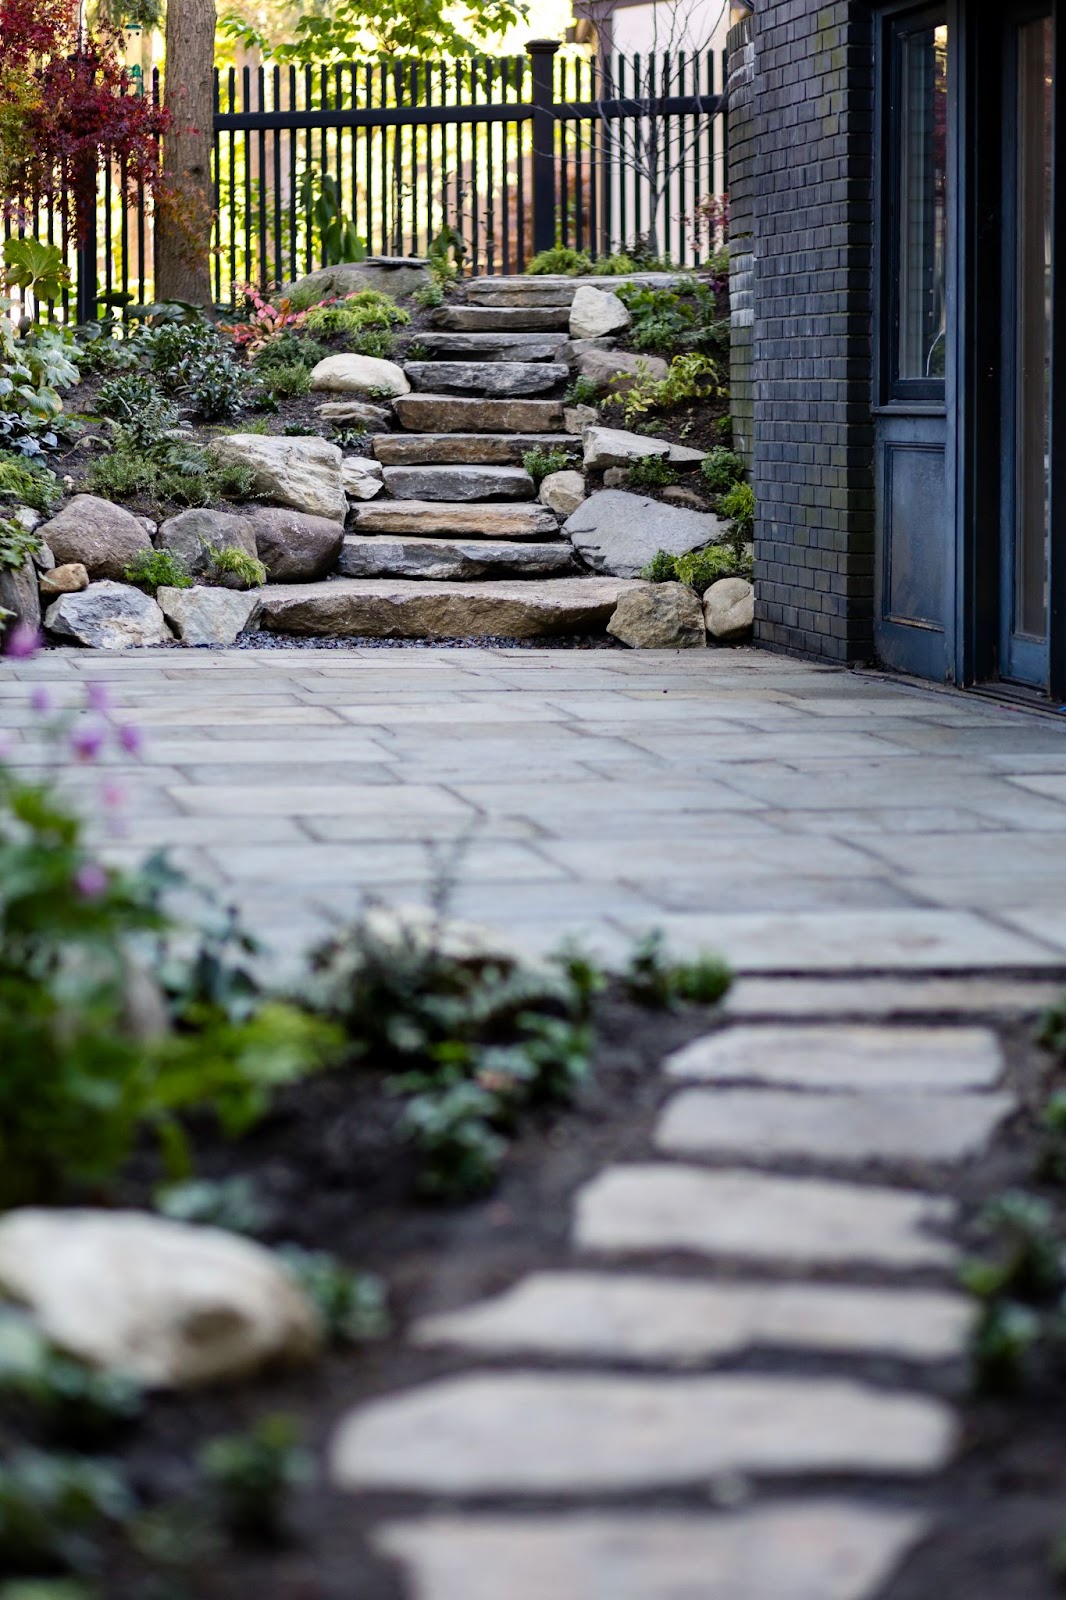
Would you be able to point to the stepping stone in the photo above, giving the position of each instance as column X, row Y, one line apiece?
column 484, row 378
column 438, row 413
column 459, row 483
column 539, row 318
column 460, row 449
column 381, row 557
column 680, row 1322
column 757, row 1217
column 803, row 1550
column 532, row 1433
column 889, row 1125
column 427, row 518
column 398, row 608
column 495, row 346
column 844, row 1057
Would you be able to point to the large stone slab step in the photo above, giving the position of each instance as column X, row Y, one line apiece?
column 448, row 518
column 462, row 449
column 457, row 560
column 459, row 483
column 497, row 379
column 504, row 318
column 494, row 346
column 445, row 413
column 551, row 289
column 398, row 608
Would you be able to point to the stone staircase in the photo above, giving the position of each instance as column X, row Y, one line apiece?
column 457, row 544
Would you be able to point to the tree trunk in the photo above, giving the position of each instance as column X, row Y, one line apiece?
column 184, row 214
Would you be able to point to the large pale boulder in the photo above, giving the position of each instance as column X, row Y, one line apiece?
column 104, row 537
column 194, row 536
column 619, row 533
column 295, row 548
column 614, row 372
column 659, row 616
column 208, row 616
column 362, row 477
column 393, row 275
column 596, row 313
column 19, row 595
column 352, row 374
column 729, row 610
column 108, row 616
column 174, row 1306
column 562, row 492
column 303, row 473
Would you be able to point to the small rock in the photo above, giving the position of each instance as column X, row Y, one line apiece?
column 296, row 548
column 104, row 537
column 108, row 616
column 362, row 477
column 597, row 312
column 615, row 478
column 659, row 616
column 19, row 595
column 352, row 374
column 562, row 492
column 579, row 346
column 355, row 411
column 26, row 518
column 42, row 558
column 615, row 447
column 207, row 616
column 195, row 535
column 614, row 372
column 71, row 578
column 620, row 533
column 678, row 495
column 175, row 1306
column 729, row 610
column 303, row 473
column 577, row 418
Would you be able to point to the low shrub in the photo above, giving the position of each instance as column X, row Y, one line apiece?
column 666, row 321
column 287, row 382
column 28, row 483
column 540, row 463
column 134, row 403
column 693, row 376
column 737, row 505
column 429, row 295
column 614, row 266
column 721, row 469
column 571, row 263
column 157, row 569
column 377, row 342
column 652, row 472
column 230, row 1203
column 289, row 350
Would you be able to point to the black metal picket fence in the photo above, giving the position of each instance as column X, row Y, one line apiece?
column 506, row 155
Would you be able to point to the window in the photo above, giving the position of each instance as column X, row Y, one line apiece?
column 916, row 209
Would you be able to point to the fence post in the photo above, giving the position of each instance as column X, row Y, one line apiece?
column 542, row 53
column 85, row 296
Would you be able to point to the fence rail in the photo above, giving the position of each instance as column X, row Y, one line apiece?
column 510, row 154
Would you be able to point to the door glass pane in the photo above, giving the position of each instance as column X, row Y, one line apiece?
column 922, row 203
column 1033, row 327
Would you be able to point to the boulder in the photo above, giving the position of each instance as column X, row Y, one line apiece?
column 597, row 313
column 659, row 616
column 393, row 275
column 104, row 537
column 362, row 477
column 26, row 518
column 172, row 1305
column 71, row 578
column 579, row 346
column 358, row 411
column 303, row 473
column 729, row 610
column 498, row 379
column 577, row 418
column 108, row 616
column 194, row 535
column 352, row 374
column 562, row 492
column 19, row 595
column 614, row 372
column 295, row 548
column 208, row 616
column 614, row 447
column 619, row 533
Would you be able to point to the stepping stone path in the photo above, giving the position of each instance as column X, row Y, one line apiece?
column 620, row 1375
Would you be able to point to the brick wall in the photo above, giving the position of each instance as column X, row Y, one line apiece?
column 803, row 152
column 740, row 86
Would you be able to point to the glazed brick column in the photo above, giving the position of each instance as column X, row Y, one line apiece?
column 740, row 85
column 813, row 431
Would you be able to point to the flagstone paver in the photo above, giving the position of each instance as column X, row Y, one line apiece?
column 841, row 1057
column 828, row 1550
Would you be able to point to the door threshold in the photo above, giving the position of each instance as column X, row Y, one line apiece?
column 1018, row 694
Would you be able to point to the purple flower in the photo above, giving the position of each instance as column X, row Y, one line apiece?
column 86, row 743
column 112, row 794
column 90, row 880
column 98, row 697
column 22, row 642
column 40, row 699
column 130, row 739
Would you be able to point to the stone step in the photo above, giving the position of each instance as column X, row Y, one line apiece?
column 433, row 519
column 459, row 483
column 551, row 289
column 486, row 379
column 503, row 318
column 462, row 449
column 844, row 1056
column 458, row 560
column 443, row 413
column 398, row 608
column 494, row 346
